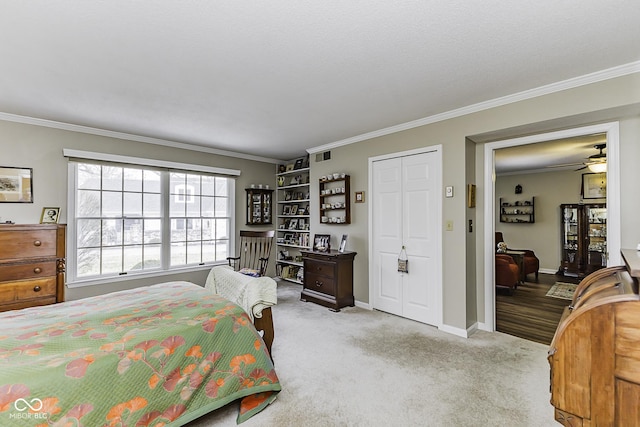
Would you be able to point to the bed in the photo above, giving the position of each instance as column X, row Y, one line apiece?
column 153, row 356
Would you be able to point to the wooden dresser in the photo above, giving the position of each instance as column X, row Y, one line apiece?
column 328, row 278
column 32, row 265
column 595, row 353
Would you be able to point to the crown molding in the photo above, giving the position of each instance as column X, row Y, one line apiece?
column 598, row 76
column 131, row 137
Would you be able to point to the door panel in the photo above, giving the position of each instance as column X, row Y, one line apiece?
column 404, row 209
column 387, row 221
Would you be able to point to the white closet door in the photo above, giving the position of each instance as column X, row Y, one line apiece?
column 405, row 205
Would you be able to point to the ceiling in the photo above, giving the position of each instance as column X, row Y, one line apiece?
column 549, row 156
column 275, row 78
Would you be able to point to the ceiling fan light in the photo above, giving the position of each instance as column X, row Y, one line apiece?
column 598, row 167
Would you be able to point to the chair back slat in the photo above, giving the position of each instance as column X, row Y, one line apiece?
column 255, row 250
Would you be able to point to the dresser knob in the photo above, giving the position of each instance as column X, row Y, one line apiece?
column 37, row 270
column 318, row 284
column 37, row 289
column 37, row 243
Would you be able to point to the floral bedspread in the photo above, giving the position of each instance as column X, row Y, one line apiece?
column 156, row 356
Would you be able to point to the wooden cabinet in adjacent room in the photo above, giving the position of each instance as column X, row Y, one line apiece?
column 583, row 238
column 32, row 265
column 328, row 278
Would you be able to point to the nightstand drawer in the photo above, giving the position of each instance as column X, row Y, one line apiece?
column 318, row 283
column 320, row 268
column 27, row 290
column 11, row 272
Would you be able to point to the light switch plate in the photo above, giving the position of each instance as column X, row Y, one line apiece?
column 448, row 191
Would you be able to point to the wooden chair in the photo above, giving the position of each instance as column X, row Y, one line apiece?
column 255, row 250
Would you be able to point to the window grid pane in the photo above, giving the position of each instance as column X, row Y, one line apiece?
column 119, row 219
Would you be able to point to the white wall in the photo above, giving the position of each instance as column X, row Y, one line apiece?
column 550, row 190
column 41, row 148
column 598, row 102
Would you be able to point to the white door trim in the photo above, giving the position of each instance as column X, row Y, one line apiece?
column 613, row 201
column 437, row 149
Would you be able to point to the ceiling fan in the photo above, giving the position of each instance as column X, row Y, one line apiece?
column 596, row 162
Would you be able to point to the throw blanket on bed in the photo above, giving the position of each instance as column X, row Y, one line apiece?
column 156, row 356
column 254, row 294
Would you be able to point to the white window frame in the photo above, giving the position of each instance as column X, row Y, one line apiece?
column 83, row 156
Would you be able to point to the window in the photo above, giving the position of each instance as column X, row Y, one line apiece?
column 131, row 219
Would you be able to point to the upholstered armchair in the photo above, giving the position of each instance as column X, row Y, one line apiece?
column 531, row 263
column 507, row 272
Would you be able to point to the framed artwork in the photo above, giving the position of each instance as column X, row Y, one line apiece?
column 294, row 210
column 321, row 242
column 16, row 185
column 594, row 185
column 359, row 196
column 50, row 216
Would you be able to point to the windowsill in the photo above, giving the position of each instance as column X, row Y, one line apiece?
column 78, row 283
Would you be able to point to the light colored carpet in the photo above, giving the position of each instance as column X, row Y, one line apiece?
column 562, row 290
column 367, row 368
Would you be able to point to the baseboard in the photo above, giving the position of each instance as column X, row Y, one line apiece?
column 464, row 333
column 364, row 305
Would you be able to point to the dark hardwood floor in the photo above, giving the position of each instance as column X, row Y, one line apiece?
column 529, row 313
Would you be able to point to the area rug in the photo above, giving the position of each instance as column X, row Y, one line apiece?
column 562, row 290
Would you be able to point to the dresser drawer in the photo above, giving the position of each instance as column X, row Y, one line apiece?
column 318, row 283
column 18, row 271
column 27, row 290
column 27, row 244
column 319, row 268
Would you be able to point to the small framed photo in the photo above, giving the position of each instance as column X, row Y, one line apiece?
column 286, row 210
column 293, row 224
column 298, row 164
column 359, row 196
column 321, row 242
column 289, row 167
column 594, row 185
column 294, row 210
column 50, row 216
column 343, row 243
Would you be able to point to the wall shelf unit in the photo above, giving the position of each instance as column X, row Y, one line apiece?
column 293, row 225
column 335, row 199
column 517, row 211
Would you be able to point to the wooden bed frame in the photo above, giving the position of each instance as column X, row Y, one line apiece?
column 265, row 324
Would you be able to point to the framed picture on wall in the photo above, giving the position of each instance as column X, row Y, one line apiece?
column 16, row 185
column 594, row 185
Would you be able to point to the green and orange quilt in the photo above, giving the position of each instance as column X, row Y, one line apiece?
column 162, row 355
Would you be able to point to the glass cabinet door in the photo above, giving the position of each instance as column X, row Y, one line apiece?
column 258, row 206
column 570, row 236
column 596, row 237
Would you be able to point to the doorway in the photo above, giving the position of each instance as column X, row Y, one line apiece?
column 405, row 211
column 613, row 201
